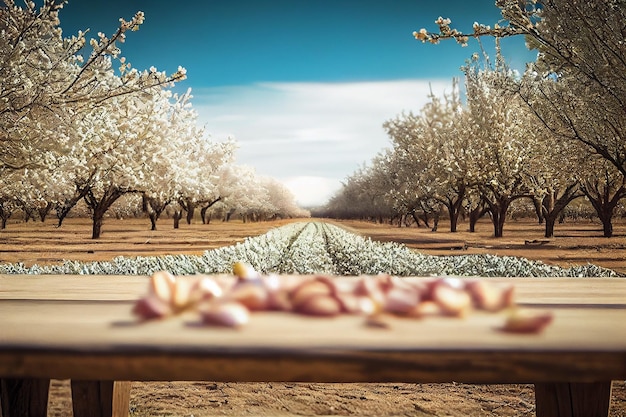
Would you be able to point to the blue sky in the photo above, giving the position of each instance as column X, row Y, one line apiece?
column 304, row 86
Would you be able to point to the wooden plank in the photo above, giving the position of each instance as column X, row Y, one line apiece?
column 24, row 397
column 566, row 399
column 71, row 287
column 110, row 326
column 331, row 366
column 547, row 290
column 100, row 398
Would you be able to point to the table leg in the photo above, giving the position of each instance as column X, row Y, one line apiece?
column 100, row 398
column 24, row 397
column 565, row 399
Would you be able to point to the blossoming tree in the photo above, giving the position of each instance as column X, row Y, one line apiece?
column 577, row 86
column 45, row 81
column 59, row 109
column 431, row 144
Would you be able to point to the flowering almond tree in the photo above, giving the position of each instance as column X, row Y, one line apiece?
column 282, row 200
column 554, row 178
column 45, row 82
column 371, row 193
column 582, row 57
column 431, row 146
column 243, row 192
column 381, row 191
column 504, row 138
column 119, row 145
column 347, row 202
column 59, row 105
column 578, row 85
column 482, row 154
column 205, row 179
column 187, row 164
column 117, row 148
column 413, row 188
column 34, row 64
column 254, row 197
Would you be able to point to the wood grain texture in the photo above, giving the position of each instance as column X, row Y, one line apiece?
column 100, row 398
column 573, row 399
column 24, row 398
column 541, row 290
column 349, row 366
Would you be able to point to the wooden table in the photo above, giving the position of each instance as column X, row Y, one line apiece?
column 81, row 328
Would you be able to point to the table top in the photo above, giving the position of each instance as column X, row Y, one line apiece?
column 81, row 327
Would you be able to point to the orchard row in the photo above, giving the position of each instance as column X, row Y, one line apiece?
column 79, row 124
column 549, row 138
column 315, row 248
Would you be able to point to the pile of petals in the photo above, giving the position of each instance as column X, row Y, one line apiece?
column 229, row 300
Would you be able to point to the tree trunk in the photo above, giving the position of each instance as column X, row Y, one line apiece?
column 153, row 220
column 96, row 229
column 550, row 222
column 28, row 214
column 473, row 219
column 4, row 216
column 454, row 210
column 62, row 212
column 189, row 206
column 190, row 213
column 205, row 208
column 607, row 226
column 416, row 219
column 178, row 214
column 604, row 204
column 203, row 211
column 154, row 207
column 44, row 211
column 454, row 220
column 435, row 223
column 499, row 207
column 454, row 205
column 99, row 207
column 63, row 209
column 539, row 206
column 553, row 206
column 475, row 214
column 497, row 219
column 605, row 214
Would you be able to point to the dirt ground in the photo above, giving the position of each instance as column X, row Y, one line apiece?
column 579, row 243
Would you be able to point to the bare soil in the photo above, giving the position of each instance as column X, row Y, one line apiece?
column 575, row 243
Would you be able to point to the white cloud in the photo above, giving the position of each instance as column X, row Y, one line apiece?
column 312, row 191
column 310, row 130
